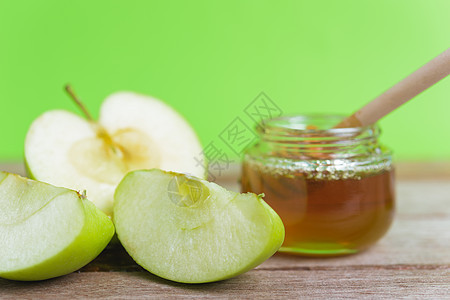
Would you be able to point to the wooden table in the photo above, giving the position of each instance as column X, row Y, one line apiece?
column 412, row 260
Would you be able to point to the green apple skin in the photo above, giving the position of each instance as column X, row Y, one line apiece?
column 91, row 231
column 28, row 170
column 219, row 237
column 114, row 240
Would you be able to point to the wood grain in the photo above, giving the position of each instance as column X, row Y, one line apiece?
column 411, row 261
column 375, row 283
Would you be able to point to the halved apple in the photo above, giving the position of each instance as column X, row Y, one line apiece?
column 133, row 132
column 189, row 230
column 47, row 231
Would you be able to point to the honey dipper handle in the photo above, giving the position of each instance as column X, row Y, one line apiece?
column 414, row 84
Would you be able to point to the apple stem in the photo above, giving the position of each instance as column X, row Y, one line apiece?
column 101, row 132
column 78, row 102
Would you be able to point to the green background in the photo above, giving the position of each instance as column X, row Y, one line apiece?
column 209, row 59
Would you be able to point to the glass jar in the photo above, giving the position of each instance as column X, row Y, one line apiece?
column 333, row 188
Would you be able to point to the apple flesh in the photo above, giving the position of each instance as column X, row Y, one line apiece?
column 47, row 231
column 190, row 230
column 133, row 132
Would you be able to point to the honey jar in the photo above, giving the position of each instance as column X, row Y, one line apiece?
column 333, row 188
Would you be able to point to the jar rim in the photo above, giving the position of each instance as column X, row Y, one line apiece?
column 297, row 125
column 287, row 138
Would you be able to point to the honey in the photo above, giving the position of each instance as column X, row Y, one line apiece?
column 333, row 189
column 323, row 216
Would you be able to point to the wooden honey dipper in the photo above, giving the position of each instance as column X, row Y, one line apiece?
column 408, row 88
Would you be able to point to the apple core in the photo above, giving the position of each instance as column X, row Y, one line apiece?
column 108, row 157
column 186, row 192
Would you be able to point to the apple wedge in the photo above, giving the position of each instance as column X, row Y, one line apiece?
column 190, row 230
column 47, row 231
column 133, row 132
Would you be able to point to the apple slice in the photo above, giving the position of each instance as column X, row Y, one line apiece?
column 133, row 132
column 47, row 231
column 190, row 230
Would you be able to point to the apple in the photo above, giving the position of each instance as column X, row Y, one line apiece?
column 186, row 229
column 47, row 231
column 133, row 132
